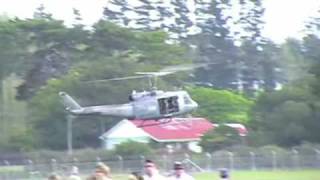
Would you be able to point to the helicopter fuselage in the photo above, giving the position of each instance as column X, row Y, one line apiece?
column 144, row 105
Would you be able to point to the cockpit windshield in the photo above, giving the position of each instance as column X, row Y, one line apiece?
column 187, row 99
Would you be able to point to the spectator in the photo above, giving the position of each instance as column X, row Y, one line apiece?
column 54, row 177
column 97, row 176
column 224, row 174
column 151, row 171
column 102, row 172
column 74, row 175
column 179, row 172
column 135, row 176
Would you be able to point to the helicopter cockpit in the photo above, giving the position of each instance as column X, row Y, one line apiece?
column 168, row 105
column 181, row 101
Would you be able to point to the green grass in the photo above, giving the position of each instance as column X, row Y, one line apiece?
column 265, row 175
column 12, row 169
column 248, row 175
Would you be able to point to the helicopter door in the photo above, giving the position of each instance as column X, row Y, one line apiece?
column 168, row 105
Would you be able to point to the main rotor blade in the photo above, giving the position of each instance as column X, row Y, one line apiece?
column 163, row 72
column 172, row 69
column 151, row 74
column 185, row 67
column 118, row 79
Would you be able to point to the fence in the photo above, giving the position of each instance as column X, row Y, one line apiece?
column 24, row 169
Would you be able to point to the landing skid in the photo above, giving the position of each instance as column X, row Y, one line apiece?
column 161, row 121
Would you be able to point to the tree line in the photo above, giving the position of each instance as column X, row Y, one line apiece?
column 271, row 88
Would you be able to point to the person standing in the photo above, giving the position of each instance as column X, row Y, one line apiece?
column 224, row 174
column 54, row 177
column 102, row 172
column 74, row 175
column 135, row 176
column 151, row 171
column 179, row 173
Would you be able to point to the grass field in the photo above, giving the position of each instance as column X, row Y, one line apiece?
column 257, row 175
column 243, row 175
column 265, row 175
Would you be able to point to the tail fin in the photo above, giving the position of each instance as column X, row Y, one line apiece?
column 68, row 102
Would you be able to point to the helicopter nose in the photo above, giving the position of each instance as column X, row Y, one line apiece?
column 195, row 105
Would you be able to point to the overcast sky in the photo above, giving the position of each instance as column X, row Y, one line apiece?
column 284, row 18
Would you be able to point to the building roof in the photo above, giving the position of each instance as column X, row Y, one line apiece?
column 242, row 130
column 176, row 129
column 124, row 129
column 167, row 130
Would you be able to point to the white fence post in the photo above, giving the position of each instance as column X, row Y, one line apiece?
column 317, row 157
column 274, row 160
column 53, row 165
column 165, row 162
column 253, row 161
column 120, row 159
column 209, row 160
column 30, row 166
column 295, row 158
column 231, row 160
column 7, row 174
column 142, row 159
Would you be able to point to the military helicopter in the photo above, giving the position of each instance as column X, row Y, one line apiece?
column 153, row 104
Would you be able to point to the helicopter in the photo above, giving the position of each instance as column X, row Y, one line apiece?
column 145, row 105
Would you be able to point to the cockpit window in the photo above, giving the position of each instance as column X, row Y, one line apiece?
column 187, row 99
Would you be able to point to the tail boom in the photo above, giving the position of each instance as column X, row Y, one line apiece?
column 122, row 110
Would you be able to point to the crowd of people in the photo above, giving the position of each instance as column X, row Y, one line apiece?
column 151, row 172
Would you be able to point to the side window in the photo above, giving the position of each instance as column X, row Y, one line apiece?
column 168, row 105
column 162, row 105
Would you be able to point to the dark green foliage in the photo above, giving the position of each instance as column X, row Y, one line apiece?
column 286, row 117
column 290, row 117
column 215, row 45
column 220, row 138
column 132, row 148
column 221, row 105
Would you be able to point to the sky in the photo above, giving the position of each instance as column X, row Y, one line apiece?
column 284, row 18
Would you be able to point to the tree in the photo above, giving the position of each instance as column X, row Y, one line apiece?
column 294, row 65
column 132, row 148
column 250, row 20
column 13, row 50
column 53, row 48
column 115, row 11
column 259, row 56
column 260, row 68
column 215, row 44
column 41, row 13
column 149, row 15
column 296, row 106
column 221, row 106
column 286, row 117
column 220, row 138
